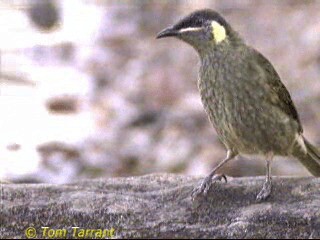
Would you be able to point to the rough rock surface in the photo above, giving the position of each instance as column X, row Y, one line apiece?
column 160, row 205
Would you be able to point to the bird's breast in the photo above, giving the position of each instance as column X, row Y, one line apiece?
column 231, row 105
column 238, row 108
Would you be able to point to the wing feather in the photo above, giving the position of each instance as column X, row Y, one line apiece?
column 279, row 96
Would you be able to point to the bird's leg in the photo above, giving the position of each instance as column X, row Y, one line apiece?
column 206, row 183
column 267, row 186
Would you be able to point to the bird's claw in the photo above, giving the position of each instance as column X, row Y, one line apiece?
column 201, row 189
column 205, row 185
column 265, row 191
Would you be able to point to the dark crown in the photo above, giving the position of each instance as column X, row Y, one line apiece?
column 198, row 18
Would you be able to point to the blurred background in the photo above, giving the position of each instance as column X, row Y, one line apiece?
column 87, row 91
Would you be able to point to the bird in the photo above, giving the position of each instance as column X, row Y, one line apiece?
column 244, row 98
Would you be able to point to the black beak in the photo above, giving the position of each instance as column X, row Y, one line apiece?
column 168, row 32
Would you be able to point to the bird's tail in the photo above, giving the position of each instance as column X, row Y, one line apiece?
column 309, row 158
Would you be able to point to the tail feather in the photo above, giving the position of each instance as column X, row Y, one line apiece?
column 310, row 159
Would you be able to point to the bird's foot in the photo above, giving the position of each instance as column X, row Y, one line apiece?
column 205, row 185
column 265, row 191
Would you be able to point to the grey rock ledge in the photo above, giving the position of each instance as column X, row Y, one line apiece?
column 160, row 206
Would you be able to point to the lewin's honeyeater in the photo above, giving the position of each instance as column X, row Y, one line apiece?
column 243, row 96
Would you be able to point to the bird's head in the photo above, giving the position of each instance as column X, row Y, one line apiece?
column 201, row 29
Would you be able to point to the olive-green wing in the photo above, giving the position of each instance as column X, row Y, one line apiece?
column 280, row 96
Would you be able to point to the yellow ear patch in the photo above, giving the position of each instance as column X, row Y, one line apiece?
column 218, row 31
